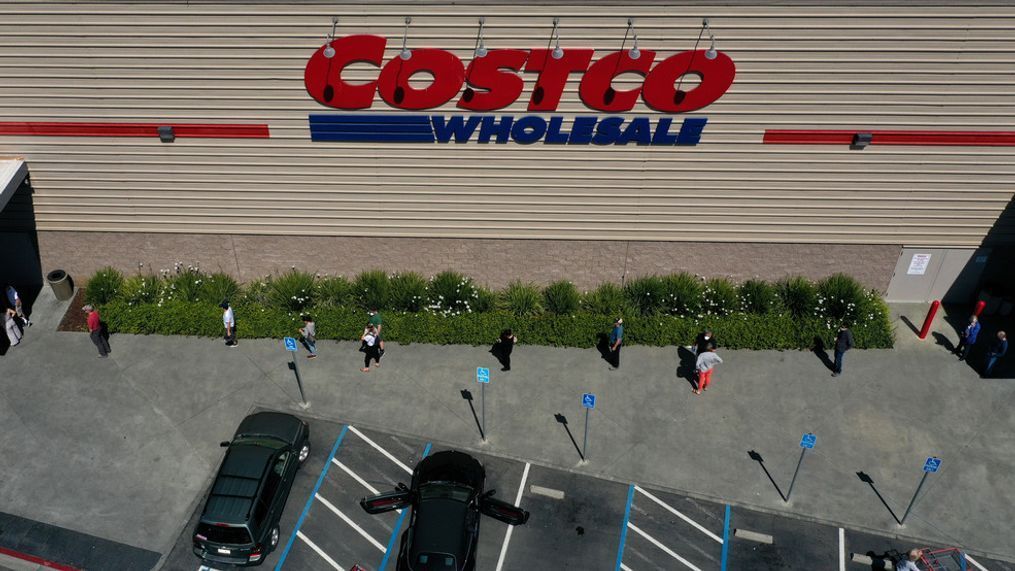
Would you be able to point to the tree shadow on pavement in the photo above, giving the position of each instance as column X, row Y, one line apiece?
column 686, row 365
column 822, row 353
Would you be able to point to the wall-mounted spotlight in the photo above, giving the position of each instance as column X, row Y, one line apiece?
column 634, row 52
column 405, row 54
column 861, row 140
column 329, row 52
column 555, row 34
column 711, row 52
column 481, row 50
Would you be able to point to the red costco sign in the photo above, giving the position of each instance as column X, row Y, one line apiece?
column 495, row 80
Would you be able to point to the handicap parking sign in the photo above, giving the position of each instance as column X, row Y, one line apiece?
column 932, row 465
column 482, row 374
column 589, row 400
column 808, row 440
column 290, row 343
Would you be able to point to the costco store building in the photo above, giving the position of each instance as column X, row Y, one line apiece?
column 627, row 138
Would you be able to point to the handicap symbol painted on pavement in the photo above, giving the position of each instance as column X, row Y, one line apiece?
column 589, row 400
column 482, row 374
column 932, row 464
column 290, row 343
column 808, row 440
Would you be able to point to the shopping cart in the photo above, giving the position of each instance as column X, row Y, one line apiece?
column 947, row 559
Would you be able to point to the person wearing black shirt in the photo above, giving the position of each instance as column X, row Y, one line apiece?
column 843, row 343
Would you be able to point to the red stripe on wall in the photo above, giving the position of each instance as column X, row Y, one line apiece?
column 36, row 560
column 938, row 138
column 199, row 130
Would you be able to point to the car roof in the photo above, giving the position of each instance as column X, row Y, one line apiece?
column 440, row 528
column 236, row 486
column 450, row 466
column 278, row 424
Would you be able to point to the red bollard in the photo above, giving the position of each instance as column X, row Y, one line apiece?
column 930, row 319
column 979, row 307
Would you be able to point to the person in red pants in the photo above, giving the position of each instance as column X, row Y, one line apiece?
column 706, row 363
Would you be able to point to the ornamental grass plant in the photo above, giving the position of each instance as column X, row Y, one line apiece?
column 452, row 308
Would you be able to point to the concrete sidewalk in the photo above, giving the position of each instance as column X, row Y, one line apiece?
column 123, row 447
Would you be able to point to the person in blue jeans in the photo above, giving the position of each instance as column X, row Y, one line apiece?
column 843, row 343
column 616, row 340
column 308, row 335
column 997, row 350
column 967, row 338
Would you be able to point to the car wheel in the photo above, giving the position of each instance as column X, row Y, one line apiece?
column 273, row 539
column 305, row 452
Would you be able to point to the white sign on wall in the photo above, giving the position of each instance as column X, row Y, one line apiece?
column 918, row 265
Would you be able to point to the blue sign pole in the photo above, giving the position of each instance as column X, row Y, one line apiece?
column 929, row 467
column 588, row 403
column 806, row 443
column 483, row 378
column 290, row 346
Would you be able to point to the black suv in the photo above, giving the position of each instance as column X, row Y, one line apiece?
column 239, row 524
column 446, row 499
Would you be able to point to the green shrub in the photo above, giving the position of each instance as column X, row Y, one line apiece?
column 291, row 291
column 608, row 299
column 681, row 294
column 759, row 297
column 799, row 296
column 217, row 287
column 451, row 293
column 142, row 288
column 332, row 291
column 407, row 292
column 840, row 299
column 182, row 285
column 646, row 293
column 485, row 301
column 256, row 292
column 371, row 289
column 522, row 298
column 104, row 286
column 719, row 297
column 561, row 298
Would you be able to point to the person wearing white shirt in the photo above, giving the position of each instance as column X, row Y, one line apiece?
column 909, row 563
column 229, row 321
column 14, row 302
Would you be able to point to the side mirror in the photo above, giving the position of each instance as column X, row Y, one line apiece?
column 224, row 443
column 502, row 511
column 391, row 501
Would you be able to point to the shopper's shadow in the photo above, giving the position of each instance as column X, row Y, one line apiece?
column 686, row 366
column 944, row 341
column 822, row 353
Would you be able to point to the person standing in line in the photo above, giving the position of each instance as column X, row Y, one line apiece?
column 997, row 350
column 967, row 338
column 504, row 346
column 95, row 331
column 616, row 340
column 378, row 323
column 706, row 363
column 704, row 342
column 14, row 301
column 308, row 335
column 371, row 348
column 843, row 343
column 11, row 326
column 229, row 321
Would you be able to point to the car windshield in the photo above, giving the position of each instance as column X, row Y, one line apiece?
column 224, row 535
column 444, row 490
column 434, row 562
column 265, row 441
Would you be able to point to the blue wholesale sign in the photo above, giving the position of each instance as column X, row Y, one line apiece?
column 808, row 440
column 589, row 400
column 290, row 344
column 932, row 465
column 482, row 375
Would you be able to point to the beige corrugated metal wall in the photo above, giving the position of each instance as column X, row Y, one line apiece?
column 875, row 67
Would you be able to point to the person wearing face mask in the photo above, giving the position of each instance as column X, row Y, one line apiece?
column 704, row 342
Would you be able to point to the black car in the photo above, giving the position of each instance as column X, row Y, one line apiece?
column 446, row 500
column 239, row 524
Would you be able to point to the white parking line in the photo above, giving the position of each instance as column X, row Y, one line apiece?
column 842, row 549
column 345, row 518
column 379, row 449
column 677, row 513
column 518, row 501
column 356, row 477
column 655, row 542
column 624, row 567
column 975, row 563
column 319, row 551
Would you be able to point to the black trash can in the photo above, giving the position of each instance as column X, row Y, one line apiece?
column 63, row 287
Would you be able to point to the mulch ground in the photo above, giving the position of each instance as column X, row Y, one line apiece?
column 75, row 319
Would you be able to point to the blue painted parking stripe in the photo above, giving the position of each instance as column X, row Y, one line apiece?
column 398, row 524
column 726, row 538
column 623, row 527
column 310, row 500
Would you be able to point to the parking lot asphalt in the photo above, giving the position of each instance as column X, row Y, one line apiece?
column 577, row 521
